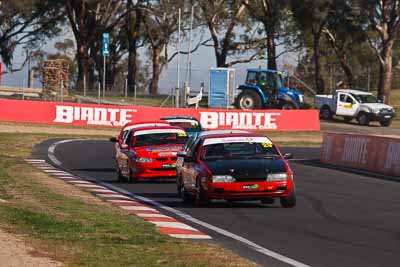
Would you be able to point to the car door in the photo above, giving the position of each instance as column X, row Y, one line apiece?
column 188, row 167
column 123, row 155
column 346, row 105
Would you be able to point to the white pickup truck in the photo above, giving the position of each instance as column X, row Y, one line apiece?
column 351, row 104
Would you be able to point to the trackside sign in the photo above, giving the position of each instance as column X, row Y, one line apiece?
column 116, row 116
column 374, row 153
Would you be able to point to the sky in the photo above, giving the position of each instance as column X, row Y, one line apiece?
column 201, row 63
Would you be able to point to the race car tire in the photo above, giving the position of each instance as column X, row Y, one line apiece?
column 120, row 177
column 385, row 123
column 325, row 113
column 201, row 198
column 131, row 177
column 363, row 119
column 248, row 100
column 185, row 196
column 267, row 200
column 289, row 201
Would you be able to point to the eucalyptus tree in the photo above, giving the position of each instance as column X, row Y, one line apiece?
column 275, row 18
column 88, row 19
column 312, row 16
column 232, row 31
column 160, row 22
column 26, row 23
column 382, row 28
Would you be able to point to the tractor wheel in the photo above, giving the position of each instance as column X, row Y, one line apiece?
column 247, row 100
column 290, row 105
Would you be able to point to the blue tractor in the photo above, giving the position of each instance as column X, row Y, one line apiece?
column 264, row 89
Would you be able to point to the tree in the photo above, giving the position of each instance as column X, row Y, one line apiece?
column 223, row 19
column 88, row 19
column 133, row 31
column 383, row 26
column 160, row 23
column 271, row 13
column 27, row 23
column 312, row 16
column 345, row 35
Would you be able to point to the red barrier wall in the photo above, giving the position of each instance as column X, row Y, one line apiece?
column 89, row 114
column 368, row 152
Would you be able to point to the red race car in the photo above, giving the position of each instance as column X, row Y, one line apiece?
column 234, row 166
column 149, row 152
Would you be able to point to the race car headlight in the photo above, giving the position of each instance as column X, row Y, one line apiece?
column 222, row 179
column 277, row 177
column 144, row 160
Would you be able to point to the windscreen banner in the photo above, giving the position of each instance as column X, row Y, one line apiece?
column 367, row 152
column 107, row 115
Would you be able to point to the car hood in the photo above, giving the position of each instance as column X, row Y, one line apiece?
column 242, row 169
column 155, row 151
column 376, row 106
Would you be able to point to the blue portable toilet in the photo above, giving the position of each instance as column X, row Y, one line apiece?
column 222, row 88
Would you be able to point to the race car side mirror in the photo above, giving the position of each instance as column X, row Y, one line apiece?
column 113, row 139
column 181, row 154
column 288, row 156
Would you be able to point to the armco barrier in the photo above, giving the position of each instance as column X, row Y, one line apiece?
column 368, row 152
column 89, row 114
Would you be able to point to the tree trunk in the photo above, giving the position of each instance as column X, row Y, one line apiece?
column 153, row 88
column 271, row 48
column 83, row 65
column 319, row 81
column 347, row 69
column 385, row 75
column 133, row 36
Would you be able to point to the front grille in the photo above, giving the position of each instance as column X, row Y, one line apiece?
column 162, row 159
column 163, row 169
column 385, row 111
column 249, row 178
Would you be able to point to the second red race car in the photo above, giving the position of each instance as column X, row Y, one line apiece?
column 234, row 166
column 149, row 152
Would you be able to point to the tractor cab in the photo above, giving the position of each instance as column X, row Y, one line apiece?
column 265, row 88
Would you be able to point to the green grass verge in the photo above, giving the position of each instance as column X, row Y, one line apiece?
column 73, row 227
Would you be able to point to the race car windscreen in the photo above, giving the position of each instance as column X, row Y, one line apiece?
column 160, row 139
column 189, row 126
column 242, row 150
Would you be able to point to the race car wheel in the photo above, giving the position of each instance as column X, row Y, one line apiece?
column 185, row 196
column 120, row 177
column 131, row 177
column 325, row 113
column 385, row 123
column 247, row 100
column 201, row 198
column 289, row 201
column 363, row 119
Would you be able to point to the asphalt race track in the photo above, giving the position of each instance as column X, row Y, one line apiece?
column 341, row 219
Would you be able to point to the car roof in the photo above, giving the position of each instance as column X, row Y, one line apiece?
column 179, row 118
column 133, row 125
column 221, row 132
column 247, row 134
column 166, row 127
column 352, row 91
